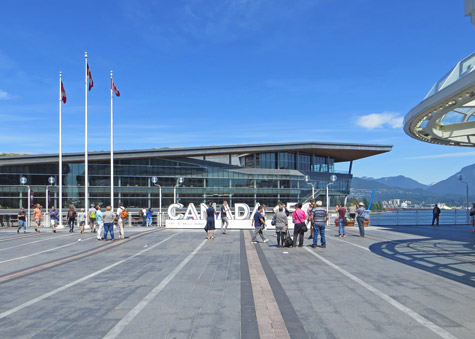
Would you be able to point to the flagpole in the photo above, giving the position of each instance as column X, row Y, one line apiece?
column 112, row 146
column 60, row 181
column 86, row 176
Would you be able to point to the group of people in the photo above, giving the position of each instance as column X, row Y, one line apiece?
column 210, row 219
column 100, row 223
column 315, row 217
column 146, row 216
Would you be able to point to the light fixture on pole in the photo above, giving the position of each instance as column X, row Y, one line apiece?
column 51, row 181
column 467, row 206
column 333, row 178
column 23, row 181
column 307, row 180
column 155, row 182
column 179, row 181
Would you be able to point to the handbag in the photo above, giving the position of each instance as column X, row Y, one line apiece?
column 304, row 227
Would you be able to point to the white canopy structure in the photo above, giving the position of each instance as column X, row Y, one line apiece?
column 447, row 114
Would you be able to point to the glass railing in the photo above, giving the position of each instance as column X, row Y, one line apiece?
column 463, row 68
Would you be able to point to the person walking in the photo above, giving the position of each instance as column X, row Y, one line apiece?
column 122, row 216
column 91, row 214
column 259, row 222
column 361, row 212
column 281, row 223
column 210, row 225
column 341, row 221
column 435, row 214
column 21, row 220
column 299, row 217
column 149, row 217
column 109, row 218
column 71, row 218
column 37, row 215
column 53, row 218
column 472, row 215
column 319, row 219
column 82, row 220
column 224, row 217
column 100, row 222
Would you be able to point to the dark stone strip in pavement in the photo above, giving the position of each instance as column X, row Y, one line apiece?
column 68, row 259
column 292, row 320
column 249, row 328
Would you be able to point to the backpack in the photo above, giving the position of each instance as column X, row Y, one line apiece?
column 124, row 214
column 140, row 213
column 92, row 215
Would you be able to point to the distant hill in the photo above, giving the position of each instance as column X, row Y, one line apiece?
column 10, row 154
column 450, row 190
column 452, row 184
column 402, row 182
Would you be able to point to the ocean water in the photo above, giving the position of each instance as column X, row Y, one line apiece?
column 418, row 217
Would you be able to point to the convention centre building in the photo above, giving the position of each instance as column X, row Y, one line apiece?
column 250, row 174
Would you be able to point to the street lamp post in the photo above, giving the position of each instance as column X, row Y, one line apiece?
column 333, row 178
column 155, row 182
column 51, row 181
column 467, row 206
column 307, row 180
column 179, row 181
column 23, row 181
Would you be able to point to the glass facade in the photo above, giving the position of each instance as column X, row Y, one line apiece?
column 263, row 177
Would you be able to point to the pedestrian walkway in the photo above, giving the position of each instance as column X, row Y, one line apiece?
column 397, row 282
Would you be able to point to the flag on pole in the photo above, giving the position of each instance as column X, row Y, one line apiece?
column 116, row 91
column 63, row 93
column 89, row 78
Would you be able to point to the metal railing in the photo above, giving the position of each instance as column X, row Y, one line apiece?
column 417, row 217
column 9, row 219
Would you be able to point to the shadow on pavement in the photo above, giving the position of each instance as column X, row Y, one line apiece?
column 440, row 252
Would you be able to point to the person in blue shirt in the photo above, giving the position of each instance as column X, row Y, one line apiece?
column 100, row 222
column 259, row 223
column 53, row 217
column 149, row 217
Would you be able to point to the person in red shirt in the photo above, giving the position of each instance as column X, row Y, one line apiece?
column 341, row 221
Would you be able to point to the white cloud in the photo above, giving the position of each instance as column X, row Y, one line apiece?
column 443, row 155
column 379, row 120
column 4, row 95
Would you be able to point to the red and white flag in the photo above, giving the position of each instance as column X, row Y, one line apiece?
column 116, row 91
column 89, row 78
column 63, row 93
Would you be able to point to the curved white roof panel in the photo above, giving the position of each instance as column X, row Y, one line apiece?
column 447, row 114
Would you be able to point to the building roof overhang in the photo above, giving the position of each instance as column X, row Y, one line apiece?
column 337, row 151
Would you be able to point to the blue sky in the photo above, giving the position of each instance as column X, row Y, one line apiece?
column 210, row 72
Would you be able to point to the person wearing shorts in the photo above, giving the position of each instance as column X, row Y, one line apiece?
column 37, row 215
column 92, row 218
column 82, row 220
column 53, row 218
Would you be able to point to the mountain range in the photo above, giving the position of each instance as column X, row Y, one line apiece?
column 450, row 190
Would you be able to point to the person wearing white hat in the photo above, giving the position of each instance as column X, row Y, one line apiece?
column 361, row 212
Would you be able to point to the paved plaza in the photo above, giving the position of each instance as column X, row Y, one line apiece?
column 397, row 282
